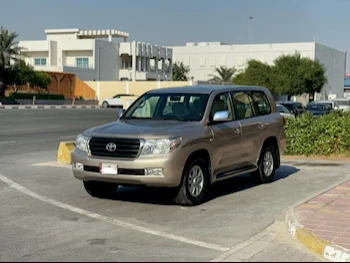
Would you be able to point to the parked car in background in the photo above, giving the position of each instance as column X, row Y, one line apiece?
column 116, row 101
column 319, row 109
column 344, row 104
column 333, row 104
column 284, row 111
column 294, row 107
column 186, row 139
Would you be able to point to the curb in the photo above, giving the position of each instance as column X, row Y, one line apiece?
column 64, row 153
column 317, row 245
column 20, row 107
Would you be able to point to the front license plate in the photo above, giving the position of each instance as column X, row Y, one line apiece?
column 106, row 168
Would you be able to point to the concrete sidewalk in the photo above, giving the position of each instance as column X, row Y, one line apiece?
column 323, row 223
column 12, row 107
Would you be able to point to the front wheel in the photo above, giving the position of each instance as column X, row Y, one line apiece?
column 100, row 189
column 194, row 185
column 266, row 166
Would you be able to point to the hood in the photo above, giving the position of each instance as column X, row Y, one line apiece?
column 144, row 129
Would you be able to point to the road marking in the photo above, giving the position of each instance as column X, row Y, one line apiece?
column 7, row 142
column 111, row 220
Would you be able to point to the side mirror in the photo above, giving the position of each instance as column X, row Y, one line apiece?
column 121, row 112
column 221, row 116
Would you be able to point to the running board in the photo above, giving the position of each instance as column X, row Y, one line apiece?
column 236, row 172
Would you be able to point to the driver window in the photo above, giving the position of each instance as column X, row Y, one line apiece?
column 222, row 102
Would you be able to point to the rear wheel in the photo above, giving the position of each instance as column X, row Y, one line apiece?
column 266, row 166
column 194, row 185
column 105, row 104
column 100, row 189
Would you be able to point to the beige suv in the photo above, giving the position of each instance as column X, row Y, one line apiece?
column 186, row 139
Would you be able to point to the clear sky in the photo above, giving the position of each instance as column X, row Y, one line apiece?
column 176, row 22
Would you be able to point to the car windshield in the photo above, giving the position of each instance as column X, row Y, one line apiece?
column 175, row 106
column 343, row 102
column 316, row 107
column 282, row 109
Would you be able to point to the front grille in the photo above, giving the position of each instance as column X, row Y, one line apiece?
column 122, row 171
column 126, row 148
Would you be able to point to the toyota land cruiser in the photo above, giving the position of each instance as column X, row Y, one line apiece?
column 186, row 139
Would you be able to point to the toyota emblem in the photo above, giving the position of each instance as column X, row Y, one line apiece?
column 111, row 147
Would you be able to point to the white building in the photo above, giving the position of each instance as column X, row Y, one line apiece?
column 85, row 53
column 203, row 58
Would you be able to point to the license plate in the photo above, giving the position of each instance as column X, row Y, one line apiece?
column 106, row 168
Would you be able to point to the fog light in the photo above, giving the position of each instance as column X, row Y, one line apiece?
column 154, row 171
column 78, row 166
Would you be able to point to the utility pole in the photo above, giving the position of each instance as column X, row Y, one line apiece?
column 250, row 30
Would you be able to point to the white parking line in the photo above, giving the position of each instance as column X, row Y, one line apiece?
column 111, row 220
column 7, row 142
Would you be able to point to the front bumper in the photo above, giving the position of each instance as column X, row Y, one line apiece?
column 130, row 172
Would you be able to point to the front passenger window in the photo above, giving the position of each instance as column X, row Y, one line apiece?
column 222, row 102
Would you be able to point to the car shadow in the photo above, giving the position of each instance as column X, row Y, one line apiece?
column 160, row 196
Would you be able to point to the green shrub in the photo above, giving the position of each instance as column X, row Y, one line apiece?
column 38, row 96
column 325, row 135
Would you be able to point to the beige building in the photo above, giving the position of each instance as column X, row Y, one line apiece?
column 100, row 55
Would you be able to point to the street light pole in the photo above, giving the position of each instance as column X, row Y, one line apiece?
column 250, row 30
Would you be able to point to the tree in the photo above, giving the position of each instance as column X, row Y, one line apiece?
column 180, row 72
column 296, row 75
column 22, row 73
column 225, row 75
column 256, row 74
column 40, row 80
column 9, row 51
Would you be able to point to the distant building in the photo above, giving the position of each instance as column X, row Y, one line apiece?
column 90, row 57
column 202, row 59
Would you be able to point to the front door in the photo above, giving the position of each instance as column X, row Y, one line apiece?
column 226, row 142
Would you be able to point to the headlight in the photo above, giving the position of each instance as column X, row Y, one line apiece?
column 162, row 146
column 82, row 142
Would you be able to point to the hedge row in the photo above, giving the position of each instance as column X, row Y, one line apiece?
column 37, row 96
column 325, row 135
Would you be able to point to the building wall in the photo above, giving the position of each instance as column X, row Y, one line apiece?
column 107, row 60
column 203, row 58
column 108, row 89
column 334, row 61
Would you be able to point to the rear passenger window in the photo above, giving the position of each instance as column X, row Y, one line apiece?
column 243, row 104
column 261, row 102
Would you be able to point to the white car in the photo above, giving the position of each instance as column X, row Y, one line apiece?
column 116, row 101
column 284, row 111
column 343, row 104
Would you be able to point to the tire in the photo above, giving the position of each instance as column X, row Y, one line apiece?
column 184, row 196
column 105, row 104
column 263, row 176
column 100, row 189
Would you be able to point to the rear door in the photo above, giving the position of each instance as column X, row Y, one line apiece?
column 251, row 124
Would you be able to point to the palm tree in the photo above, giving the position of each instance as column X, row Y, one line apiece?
column 8, row 47
column 9, row 51
column 225, row 75
column 180, row 72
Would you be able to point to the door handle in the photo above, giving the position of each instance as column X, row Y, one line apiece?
column 261, row 126
column 237, row 131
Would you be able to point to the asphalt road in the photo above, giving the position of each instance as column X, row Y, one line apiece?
column 47, row 215
column 26, row 131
